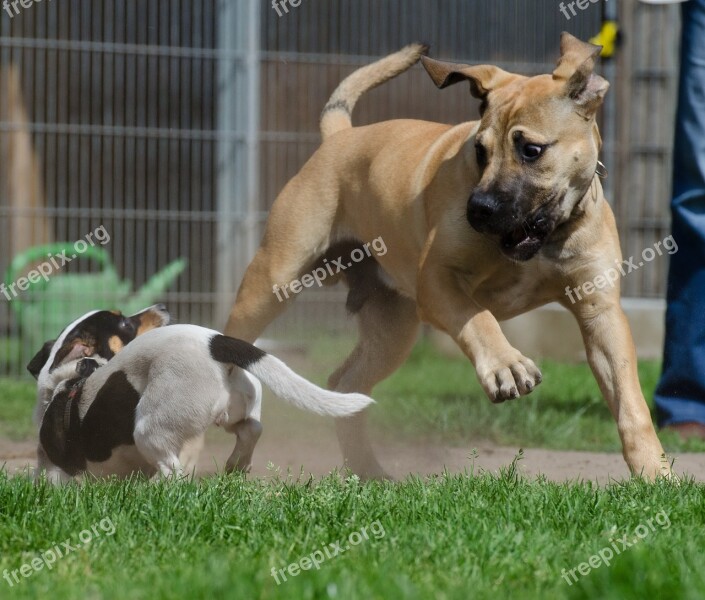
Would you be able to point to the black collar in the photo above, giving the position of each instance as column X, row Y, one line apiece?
column 74, row 395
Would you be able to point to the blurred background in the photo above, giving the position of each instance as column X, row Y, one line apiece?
column 173, row 124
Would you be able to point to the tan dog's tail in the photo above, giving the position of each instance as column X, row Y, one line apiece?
column 336, row 114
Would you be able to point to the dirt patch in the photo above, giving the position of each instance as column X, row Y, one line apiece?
column 17, row 451
column 319, row 454
column 292, row 442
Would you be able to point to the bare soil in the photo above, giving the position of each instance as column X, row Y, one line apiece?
column 293, row 442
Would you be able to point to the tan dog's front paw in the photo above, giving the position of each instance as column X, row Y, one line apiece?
column 508, row 377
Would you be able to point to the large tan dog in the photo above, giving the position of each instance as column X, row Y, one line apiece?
column 482, row 221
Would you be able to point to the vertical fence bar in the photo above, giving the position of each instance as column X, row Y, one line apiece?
column 238, row 156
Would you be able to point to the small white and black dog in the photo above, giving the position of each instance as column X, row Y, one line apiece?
column 119, row 395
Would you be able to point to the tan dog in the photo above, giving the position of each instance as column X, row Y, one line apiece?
column 482, row 221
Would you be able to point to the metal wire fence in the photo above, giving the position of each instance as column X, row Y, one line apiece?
column 174, row 124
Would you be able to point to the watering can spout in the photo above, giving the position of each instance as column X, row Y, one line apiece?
column 155, row 286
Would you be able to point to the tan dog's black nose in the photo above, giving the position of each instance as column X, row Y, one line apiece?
column 482, row 210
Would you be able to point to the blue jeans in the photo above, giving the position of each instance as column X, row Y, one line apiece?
column 680, row 395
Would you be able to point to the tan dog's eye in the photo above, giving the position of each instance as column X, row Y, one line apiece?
column 530, row 152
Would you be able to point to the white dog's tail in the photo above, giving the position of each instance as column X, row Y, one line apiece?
column 336, row 114
column 283, row 381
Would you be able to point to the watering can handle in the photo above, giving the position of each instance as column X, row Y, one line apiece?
column 36, row 253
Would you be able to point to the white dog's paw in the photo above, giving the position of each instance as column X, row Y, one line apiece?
column 508, row 377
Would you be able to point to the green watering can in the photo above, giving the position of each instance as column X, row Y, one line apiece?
column 48, row 306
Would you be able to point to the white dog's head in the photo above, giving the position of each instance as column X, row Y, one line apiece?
column 99, row 334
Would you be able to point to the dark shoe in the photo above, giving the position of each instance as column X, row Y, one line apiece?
column 688, row 430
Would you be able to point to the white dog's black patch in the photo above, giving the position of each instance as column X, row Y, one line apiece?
column 229, row 350
column 38, row 361
column 60, row 432
column 110, row 419
column 109, row 422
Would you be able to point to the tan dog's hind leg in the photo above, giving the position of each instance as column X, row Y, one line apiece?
column 292, row 242
column 612, row 357
column 388, row 328
column 256, row 305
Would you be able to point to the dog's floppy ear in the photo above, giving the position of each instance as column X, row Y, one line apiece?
column 576, row 67
column 483, row 78
column 40, row 358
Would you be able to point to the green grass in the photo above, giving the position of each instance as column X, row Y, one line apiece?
column 450, row 536
column 11, row 354
column 17, row 399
